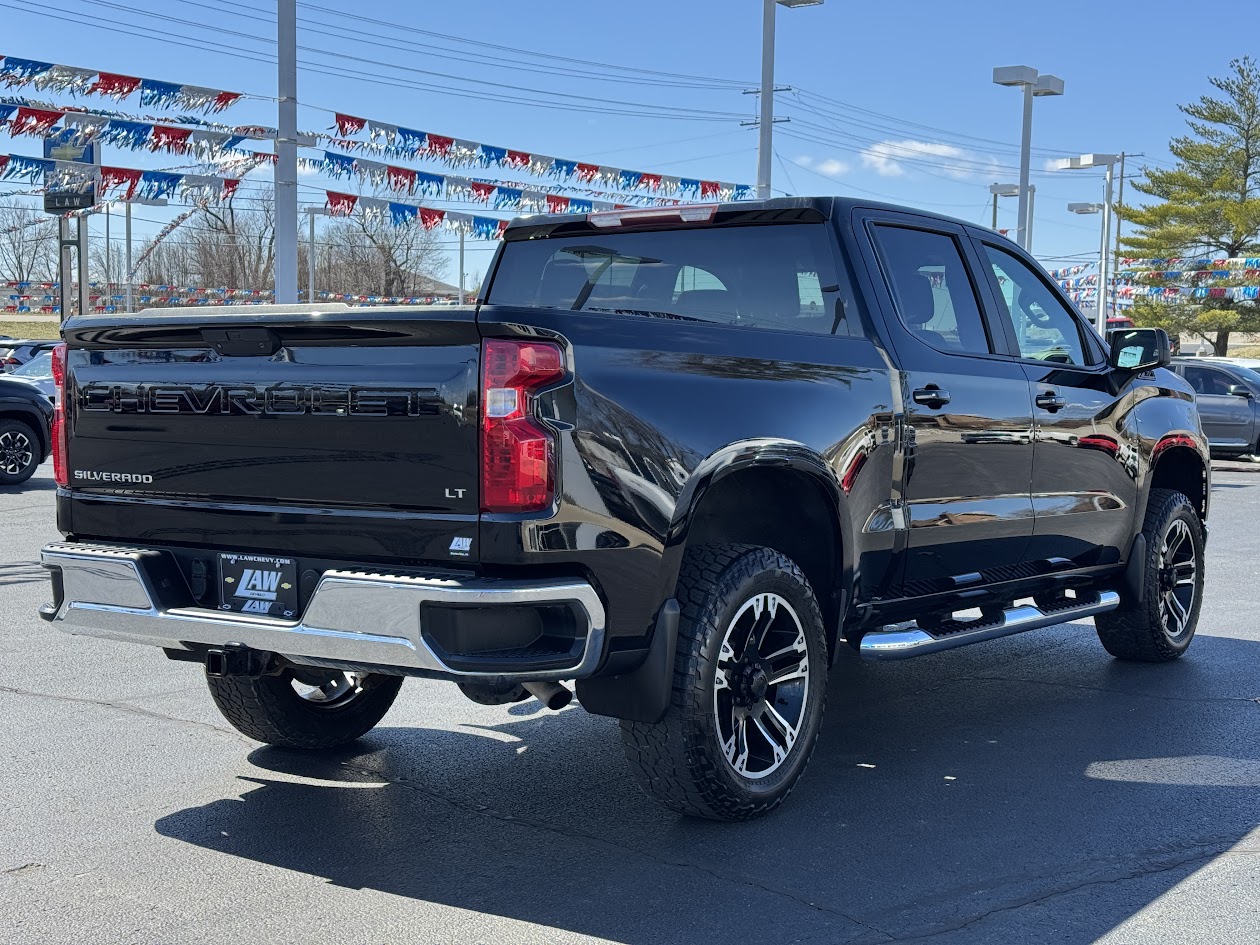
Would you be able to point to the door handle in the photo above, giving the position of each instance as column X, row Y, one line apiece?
column 931, row 396
column 1050, row 401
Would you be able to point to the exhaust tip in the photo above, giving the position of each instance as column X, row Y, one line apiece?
column 552, row 695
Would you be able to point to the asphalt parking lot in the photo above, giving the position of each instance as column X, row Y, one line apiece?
column 1025, row 790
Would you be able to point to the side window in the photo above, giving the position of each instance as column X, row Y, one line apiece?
column 931, row 289
column 1044, row 327
column 1207, row 381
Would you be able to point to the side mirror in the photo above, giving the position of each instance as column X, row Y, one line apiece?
column 1139, row 349
column 1239, row 390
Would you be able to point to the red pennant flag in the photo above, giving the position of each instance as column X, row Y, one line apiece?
column 167, row 138
column 431, row 218
column 401, row 178
column 34, row 121
column 438, row 145
column 229, row 187
column 518, row 158
column 709, row 188
column 557, row 204
column 112, row 177
column 503, row 225
column 587, row 172
column 341, row 205
column 650, row 181
column 481, row 192
column 111, row 83
column 349, row 125
column 4, row 159
column 224, row 100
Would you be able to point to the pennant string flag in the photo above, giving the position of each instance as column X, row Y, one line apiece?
column 69, row 175
column 17, row 73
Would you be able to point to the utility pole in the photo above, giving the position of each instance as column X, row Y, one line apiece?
column 286, row 191
column 765, row 125
column 461, row 267
column 1120, row 202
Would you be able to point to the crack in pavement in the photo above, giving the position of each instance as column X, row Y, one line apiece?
column 473, row 807
column 124, row 707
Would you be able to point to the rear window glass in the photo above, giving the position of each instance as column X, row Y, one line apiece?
column 776, row 276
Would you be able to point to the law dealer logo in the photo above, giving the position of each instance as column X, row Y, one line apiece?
column 258, row 588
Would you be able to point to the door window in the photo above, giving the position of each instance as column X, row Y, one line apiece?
column 1207, row 381
column 1044, row 327
column 931, row 289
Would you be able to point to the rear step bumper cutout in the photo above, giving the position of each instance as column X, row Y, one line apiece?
column 901, row 644
column 353, row 618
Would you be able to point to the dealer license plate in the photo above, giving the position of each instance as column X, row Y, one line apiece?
column 258, row 584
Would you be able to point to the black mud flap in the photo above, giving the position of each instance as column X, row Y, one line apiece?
column 1135, row 570
column 643, row 694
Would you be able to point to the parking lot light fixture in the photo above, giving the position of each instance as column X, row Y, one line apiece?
column 1034, row 85
column 1109, row 161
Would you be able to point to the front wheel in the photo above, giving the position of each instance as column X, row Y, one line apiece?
column 748, row 690
column 1158, row 626
column 304, row 707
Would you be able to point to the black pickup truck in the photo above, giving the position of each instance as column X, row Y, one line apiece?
column 679, row 456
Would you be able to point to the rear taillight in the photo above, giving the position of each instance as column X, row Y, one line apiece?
column 60, row 472
column 517, row 452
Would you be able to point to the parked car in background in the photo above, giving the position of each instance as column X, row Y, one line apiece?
column 1228, row 395
column 38, row 373
column 25, row 430
column 15, row 353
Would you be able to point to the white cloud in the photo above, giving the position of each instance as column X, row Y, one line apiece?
column 887, row 158
column 829, row 167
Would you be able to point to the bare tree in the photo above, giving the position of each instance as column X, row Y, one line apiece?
column 28, row 243
column 370, row 256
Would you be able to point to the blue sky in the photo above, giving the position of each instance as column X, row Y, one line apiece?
column 877, row 83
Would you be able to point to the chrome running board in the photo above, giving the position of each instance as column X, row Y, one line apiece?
column 905, row 642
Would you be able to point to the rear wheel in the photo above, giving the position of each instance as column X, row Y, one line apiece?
column 19, row 452
column 748, row 688
column 1159, row 626
column 304, row 707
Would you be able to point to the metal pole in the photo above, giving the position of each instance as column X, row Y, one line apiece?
column 1032, row 199
column 310, row 264
column 286, row 153
column 1119, row 202
column 1104, row 264
column 994, row 226
column 65, row 264
column 108, row 269
column 131, row 280
column 83, row 265
column 765, row 124
column 1025, row 158
column 461, row 267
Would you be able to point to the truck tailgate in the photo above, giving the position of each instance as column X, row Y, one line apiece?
column 362, row 410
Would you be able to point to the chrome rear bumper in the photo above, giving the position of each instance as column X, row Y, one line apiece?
column 353, row 618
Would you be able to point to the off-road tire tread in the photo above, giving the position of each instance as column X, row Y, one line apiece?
column 670, row 761
column 1135, row 631
column 266, row 709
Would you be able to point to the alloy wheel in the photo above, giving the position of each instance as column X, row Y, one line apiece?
column 761, row 689
column 1178, row 578
column 16, row 452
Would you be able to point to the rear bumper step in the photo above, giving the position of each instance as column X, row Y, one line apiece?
column 903, row 643
column 353, row 618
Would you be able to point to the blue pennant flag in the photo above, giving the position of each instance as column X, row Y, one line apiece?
column 155, row 94
column 155, row 184
column 485, row 228
column 742, row 192
column 5, row 112
column 401, row 214
column 687, row 185
column 126, row 134
column 507, row 198
column 23, row 69
column 630, row 179
column 563, row 170
column 580, row 206
column 411, row 141
column 27, row 168
column 430, row 184
column 488, row 155
column 338, row 165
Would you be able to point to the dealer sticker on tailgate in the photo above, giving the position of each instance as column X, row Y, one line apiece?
column 258, row 584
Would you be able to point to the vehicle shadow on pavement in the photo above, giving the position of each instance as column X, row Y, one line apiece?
column 1021, row 790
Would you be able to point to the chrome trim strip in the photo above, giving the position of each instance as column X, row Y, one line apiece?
column 353, row 616
column 883, row 645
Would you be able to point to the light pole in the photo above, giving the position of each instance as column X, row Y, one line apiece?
column 131, row 276
column 1001, row 190
column 1085, row 209
column 286, row 183
column 1034, row 85
column 765, row 123
column 311, row 214
column 1104, row 256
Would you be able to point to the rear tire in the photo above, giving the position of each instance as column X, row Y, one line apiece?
column 1159, row 626
column 749, row 688
column 19, row 452
column 304, row 707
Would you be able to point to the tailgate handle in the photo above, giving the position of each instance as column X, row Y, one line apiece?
column 242, row 342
